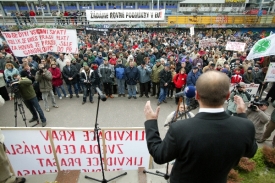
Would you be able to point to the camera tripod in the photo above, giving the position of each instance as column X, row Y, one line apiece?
column 18, row 104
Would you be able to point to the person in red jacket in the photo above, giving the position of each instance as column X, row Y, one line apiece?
column 113, row 60
column 66, row 15
column 236, row 77
column 57, row 81
column 32, row 16
column 180, row 81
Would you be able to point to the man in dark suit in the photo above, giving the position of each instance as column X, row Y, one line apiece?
column 207, row 146
column 70, row 76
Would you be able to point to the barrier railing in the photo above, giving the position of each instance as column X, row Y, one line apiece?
column 222, row 19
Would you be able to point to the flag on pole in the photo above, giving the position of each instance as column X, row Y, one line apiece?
column 263, row 48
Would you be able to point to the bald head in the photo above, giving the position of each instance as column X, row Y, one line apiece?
column 213, row 88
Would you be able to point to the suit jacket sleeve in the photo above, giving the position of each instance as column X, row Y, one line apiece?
column 162, row 151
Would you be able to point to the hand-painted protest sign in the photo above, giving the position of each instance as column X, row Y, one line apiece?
column 250, row 88
column 270, row 74
column 29, row 153
column 34, row 151
column 207, row 42
column 125, row 15
column 235, row 46
column 41, row 40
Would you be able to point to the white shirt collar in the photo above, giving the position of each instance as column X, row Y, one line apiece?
column 211, row 110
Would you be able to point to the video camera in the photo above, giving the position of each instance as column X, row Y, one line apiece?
column 15, row 88
column 255, row 103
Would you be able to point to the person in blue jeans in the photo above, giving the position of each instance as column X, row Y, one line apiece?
column 29, row 98
column 120, row 78
column 132, row 77
column 165, row 77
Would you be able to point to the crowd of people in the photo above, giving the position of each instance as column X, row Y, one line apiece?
column 60, row 18
column 151, row 63
column 158, row 62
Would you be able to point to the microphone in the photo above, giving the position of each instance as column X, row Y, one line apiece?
column 101, row 95
column 189, row 92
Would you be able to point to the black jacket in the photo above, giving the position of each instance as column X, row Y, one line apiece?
column 72, row 73
column 131, row 75
column 205, row 147
column 30, row 76
column 165, row 77
column 188, row 67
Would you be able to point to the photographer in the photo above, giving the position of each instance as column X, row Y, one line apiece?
column 256, row 112
column 28, row 95
column 239, row 90
column 270, row 127
column 44, row 77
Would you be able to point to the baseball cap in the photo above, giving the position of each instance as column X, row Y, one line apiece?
column 195, row 67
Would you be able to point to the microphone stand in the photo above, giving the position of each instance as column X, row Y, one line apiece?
column 96, row 129
column 166, row 175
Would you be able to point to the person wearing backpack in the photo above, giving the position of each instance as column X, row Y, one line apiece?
column 120, row 76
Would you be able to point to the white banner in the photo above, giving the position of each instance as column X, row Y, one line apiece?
column 30, row 151
column 270, row 74
column 235, row 46
column 192, row 31
column 250, row 88
column 125, row 15
column 41, row 40
column 207, row 43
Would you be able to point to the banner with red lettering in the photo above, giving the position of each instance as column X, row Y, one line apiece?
column 30, row 151
column 235, row 46
column 207, row 42
column 41, row 40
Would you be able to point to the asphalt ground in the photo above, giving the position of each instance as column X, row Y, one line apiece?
column 116, row 112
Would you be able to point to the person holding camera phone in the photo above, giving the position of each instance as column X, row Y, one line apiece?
column 44, row 77
column 239, row 90
column 256, row 112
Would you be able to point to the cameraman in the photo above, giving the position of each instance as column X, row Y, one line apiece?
column 44, row 77
column 256, row 112
column 239, row 90
column 28, row 95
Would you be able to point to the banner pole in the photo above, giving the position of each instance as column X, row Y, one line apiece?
column 53, row 148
